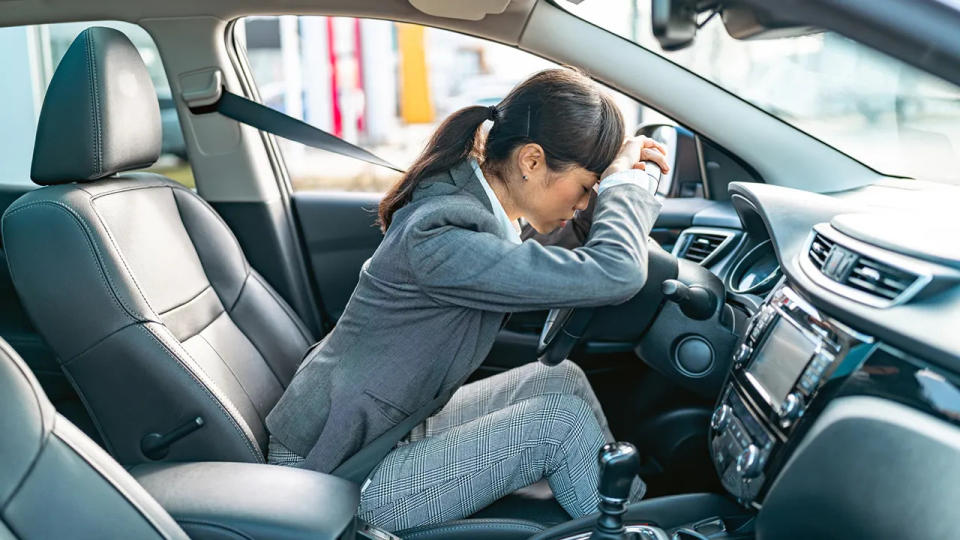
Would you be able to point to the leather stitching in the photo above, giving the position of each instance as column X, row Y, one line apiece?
column 123, row 260
column 184, row 303
column 218, row 217
column 91, row 245
column 235, row 376
column 253, row 343
column 209, row 388
column 98, row 135
column 476, row 526
column 283, row 305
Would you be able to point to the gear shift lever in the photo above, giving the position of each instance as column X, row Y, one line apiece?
column 619, row 463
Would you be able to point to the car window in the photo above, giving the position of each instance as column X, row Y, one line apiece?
column 382, row 85
column 29, row 55
column 877, row 109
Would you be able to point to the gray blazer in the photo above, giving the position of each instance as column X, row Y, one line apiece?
column 429, row 304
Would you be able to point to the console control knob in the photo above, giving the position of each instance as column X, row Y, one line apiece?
column 790, row 410
column 742, row 354
column 748, row 462
column 721, row 417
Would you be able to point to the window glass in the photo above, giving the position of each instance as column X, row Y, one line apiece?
column 382, row 85
column 877, row 109
column 29, row 56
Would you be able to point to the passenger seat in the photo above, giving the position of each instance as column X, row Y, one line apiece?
column 57, row 483
column 141, row 289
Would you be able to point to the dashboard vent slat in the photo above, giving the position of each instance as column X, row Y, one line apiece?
column 880, row 279
column 701, row 246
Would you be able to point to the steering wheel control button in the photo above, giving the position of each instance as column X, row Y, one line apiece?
column 721, row 417
column 694, row 356
column 748, row 462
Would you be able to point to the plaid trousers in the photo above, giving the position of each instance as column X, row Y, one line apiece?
column 493, row 437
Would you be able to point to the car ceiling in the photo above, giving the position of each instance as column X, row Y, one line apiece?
column 504, row 27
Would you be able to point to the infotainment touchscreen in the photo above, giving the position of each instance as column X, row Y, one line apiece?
column 780, row 360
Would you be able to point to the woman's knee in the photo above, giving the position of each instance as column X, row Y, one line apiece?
column 567, row 413
column 575, row 376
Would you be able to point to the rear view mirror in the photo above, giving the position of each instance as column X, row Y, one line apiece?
column 674, row 22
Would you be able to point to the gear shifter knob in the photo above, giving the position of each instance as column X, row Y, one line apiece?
column 619, row 463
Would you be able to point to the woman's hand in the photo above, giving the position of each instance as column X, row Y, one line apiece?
column 632, row 154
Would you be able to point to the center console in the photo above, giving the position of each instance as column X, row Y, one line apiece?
column 789, row 351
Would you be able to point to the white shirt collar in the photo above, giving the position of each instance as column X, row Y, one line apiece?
column 509, row 227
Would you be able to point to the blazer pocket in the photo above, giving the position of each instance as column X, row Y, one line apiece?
column 388, row 409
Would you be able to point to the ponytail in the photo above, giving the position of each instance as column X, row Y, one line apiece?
column 454, row 141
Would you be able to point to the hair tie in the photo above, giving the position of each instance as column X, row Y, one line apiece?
column 494, row 112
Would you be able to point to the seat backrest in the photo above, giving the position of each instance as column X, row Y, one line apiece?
column 136, row 283
column 57, row 483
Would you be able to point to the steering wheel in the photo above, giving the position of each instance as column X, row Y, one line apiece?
column 561, row 332
column 564, row 327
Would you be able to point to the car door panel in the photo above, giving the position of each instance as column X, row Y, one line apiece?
column 339, row 233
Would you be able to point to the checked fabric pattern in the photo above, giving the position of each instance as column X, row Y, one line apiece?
column 493, row 437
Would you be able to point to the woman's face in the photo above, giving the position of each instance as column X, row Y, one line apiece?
column 547, row 198
column 552, row 197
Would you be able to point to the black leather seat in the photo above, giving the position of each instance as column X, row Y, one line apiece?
column 136, row 283
column 57, row 483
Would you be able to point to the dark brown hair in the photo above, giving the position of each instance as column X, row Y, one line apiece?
column 562, row 110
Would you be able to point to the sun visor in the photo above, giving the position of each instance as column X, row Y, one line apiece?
column 470, row 10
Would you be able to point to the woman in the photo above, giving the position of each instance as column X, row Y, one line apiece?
column 429, row 304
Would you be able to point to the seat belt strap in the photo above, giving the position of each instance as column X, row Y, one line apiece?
column 358, row 467
column 272, row 121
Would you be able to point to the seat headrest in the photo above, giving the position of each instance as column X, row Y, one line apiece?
column 100, row 115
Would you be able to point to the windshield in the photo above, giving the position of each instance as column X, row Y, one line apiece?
column 890, row 116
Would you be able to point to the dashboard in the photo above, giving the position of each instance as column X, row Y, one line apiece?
column 841, row 409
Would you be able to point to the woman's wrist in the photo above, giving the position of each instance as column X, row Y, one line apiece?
column 637, row 177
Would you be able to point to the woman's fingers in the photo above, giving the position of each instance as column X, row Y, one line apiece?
column 657, row 156
column 634, row 151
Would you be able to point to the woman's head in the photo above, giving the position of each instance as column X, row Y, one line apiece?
column 552, row 136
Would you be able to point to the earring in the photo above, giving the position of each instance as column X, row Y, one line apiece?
column 524, row 178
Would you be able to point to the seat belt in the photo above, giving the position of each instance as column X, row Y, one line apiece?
column 272, row 121
column 357, row 468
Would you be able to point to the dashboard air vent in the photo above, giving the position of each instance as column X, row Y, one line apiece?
column 852, row 269
column 819, row 249
column 700, row 246
column 878, row 279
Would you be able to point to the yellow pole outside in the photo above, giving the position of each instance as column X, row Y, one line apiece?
column 415, row 103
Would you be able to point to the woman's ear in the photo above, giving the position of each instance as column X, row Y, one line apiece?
column 531, row 160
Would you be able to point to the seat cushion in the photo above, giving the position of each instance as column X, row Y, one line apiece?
column 534, row 503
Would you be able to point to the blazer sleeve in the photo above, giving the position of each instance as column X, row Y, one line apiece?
column 455, row 262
